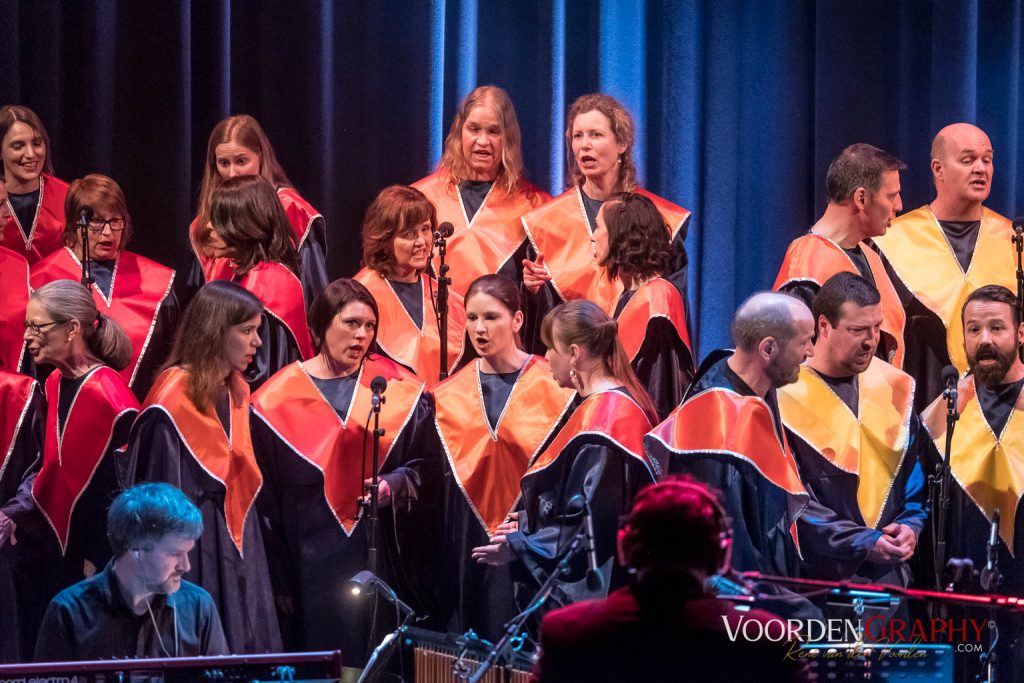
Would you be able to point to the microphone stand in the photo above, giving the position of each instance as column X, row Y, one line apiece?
column 374, row 504
column 443, row 282
column 515, row 626
column 1018, row 245
column 83, row 223
column 941, row 484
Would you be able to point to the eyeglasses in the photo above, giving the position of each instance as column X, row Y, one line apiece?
column 39, row 329
column 98, row 225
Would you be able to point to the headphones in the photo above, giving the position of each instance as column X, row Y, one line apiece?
column 718, row 548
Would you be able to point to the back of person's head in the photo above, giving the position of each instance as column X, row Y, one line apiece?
column 247, row 214
column 676, row 523
column 65, row 301
column 638, row 238
column 199, row 344
column 583, row 323
column 859, row 165
column 98, row 193
column 763, row 315
column 839, row 289
column 142, row 515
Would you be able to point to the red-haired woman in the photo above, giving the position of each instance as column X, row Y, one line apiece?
column 632, row 245
column 253, row 233
column 479, row 188
column 35, row 196
column 193, row 432
column 133, row 290
column 494, row 417
column 238, row 146
column 599, row 148
column 397, row 240
column 314, row 446
column 596, row 460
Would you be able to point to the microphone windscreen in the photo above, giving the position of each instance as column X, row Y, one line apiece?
column 950, row 375
column 378, row 384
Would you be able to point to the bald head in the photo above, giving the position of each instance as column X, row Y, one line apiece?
column 767, row 314
column 962, row 169
column 955, row 135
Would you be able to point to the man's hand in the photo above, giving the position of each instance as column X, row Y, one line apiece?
column 896, row 544
column 535, row 274
column 510, row 525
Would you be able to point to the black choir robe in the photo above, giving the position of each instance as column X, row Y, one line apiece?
column 732, row 440
column 597, row 454
column 22, row 423
column 482, row 467
column 655, row 336
column 174, row 442
column 313, row 473
column 933, row 286
column 863, row 469
column 61, row 505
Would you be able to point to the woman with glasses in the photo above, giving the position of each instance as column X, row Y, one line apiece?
column 193, row 432
column 479, row 188
column 631, row 244
column 252, row 231
column 397, row 240
column 136, row 292
column 494, row 417
column 58, row 516
column 35, row 196
column 238, row 146
column 313, row 441
column 599, row 139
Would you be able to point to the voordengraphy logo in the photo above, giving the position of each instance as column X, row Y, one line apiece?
column 880, row 630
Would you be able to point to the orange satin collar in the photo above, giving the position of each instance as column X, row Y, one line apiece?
column 480, row 246
column 16, row 393
column 232, row 463
column 608, row 413
column 657, row 298
column 281, row 293
column 14, row 273
column 400, row 339
column 488, row 464
column 816, row 258
column 298, row 413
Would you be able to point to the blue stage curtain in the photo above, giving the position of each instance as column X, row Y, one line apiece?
column 739, row 105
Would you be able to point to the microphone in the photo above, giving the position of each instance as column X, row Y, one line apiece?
column 990, row 575
column 378, row 385
column 595, row 580
column 444, row 231
column 84, row 216
column 950, row 376
column 1018, row 225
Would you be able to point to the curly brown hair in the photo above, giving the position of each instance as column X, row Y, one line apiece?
column 392, row 211
column 622, row 127
column 638, row 237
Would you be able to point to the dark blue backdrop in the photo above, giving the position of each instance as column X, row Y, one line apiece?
column 740, row 105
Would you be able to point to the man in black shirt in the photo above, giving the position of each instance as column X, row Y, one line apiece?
column 940, row 253
column 139, row 605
